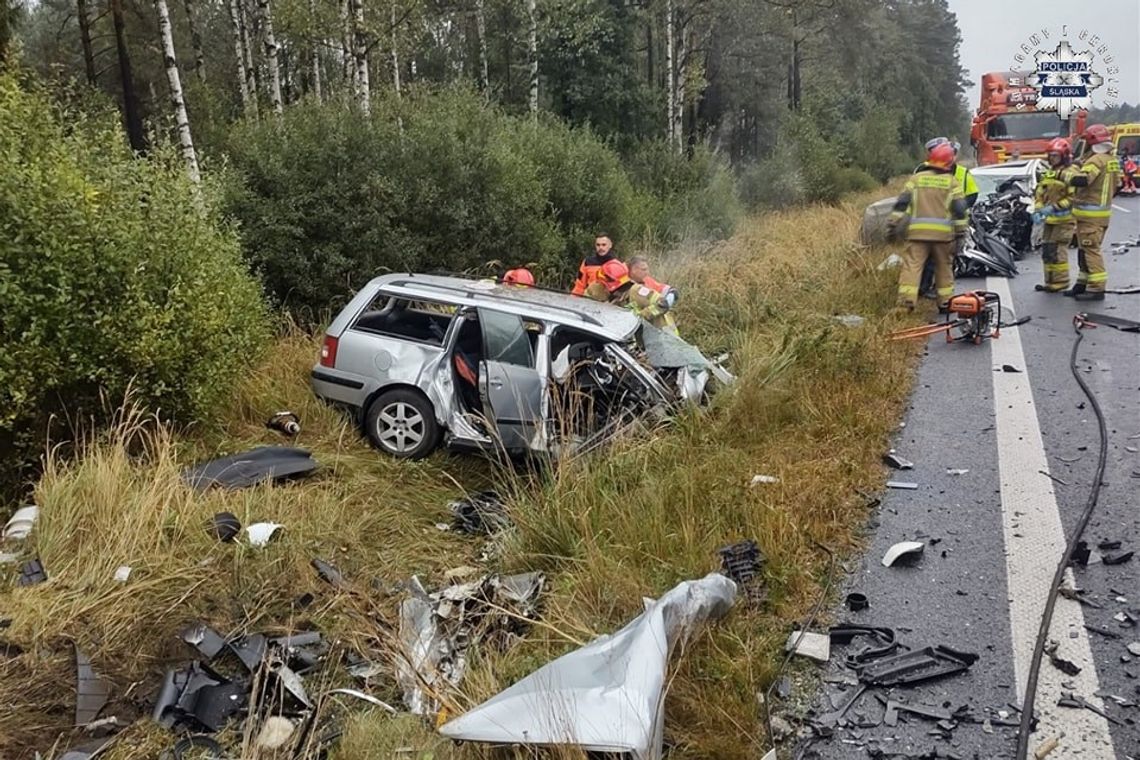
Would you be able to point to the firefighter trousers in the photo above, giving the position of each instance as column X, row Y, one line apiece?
column 1055, row 255
column 1092, row 275
column 910, row 273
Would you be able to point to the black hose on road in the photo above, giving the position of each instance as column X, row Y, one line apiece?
column 1047, row 617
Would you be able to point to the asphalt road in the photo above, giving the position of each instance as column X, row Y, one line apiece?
column 993, row 535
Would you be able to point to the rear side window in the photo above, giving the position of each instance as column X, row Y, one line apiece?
column 508, row 338
column 417, row 321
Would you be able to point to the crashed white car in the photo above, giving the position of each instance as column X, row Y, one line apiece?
column 424, row 359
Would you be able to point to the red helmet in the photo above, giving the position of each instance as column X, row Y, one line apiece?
column 1060, row 145
column 941, row 155
column 614, row 274
column 1096, row 134
column 520, row 276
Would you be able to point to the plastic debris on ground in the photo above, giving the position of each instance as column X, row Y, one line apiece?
column 607, row 696
column 225, row 526
column 91, row 692
column 21, row 523
column 902, row 485
column 482, row 513
column 265, row 463
column 763, row 479
column 814, row 646
column 849, row 320
column 743, row 563
column 894, row 460
column 902, row 549
column 31, row 573
column 260, row 534
column 437, row 629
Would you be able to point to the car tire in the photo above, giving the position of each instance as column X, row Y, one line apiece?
column 402, row 423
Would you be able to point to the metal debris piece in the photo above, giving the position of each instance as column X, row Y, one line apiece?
column 1107, row 633
column 897, row 462
column 436, row 630
column 893, row 708
column 743, row 562
column 833, row 717
column 1054, row 478
column 815, row 646
column 366, row 697
column 482, row 513
column 956, row 471
column 21, row 523
column 1071, row 700
column 902, row 548
column 289, row 680
column 609, row 695
column 1108, row 546
column 265, row 463
column 91, row 691
column 32, row 573
column 205, row 639
column 920, row 665
column 260, row 534
column 1117, row 559
column 225, row 526
column 902, row 485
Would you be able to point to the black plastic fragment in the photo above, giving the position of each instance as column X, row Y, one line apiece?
column 1081, row 553
column 1108, row 546
column 857, row 601
column 250, row 467
column 31, row 573
column 480, row 513
column 327, row 572
column 215, row 704
column 1124, row 325
column 250, row 650
column 205, row 639
column 225, row 526
column 914, row 667
column 742, row 562
column 1117, row 559
column 845, row 633
column 1010, row 368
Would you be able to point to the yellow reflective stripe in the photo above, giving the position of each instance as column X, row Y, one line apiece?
column 908, row 290
column 1098, row 277
column 930, row 227
column 1094, row 213
column 1057, row 267
column 934, row 181
column 946, row 292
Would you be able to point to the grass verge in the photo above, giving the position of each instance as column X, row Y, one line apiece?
column 815, row 405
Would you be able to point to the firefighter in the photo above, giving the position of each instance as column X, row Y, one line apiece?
column 639, row 273
column 1053, row 204
column 521, row 276
column 933, row 202
column 614, row 286
column 1095, row 182
column 591, row 266
column 969, row 187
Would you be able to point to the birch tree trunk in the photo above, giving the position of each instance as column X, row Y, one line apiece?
column 532, row 53
column 83, row 11
column 316, row 54
column 239, row 54
column 176, row 100
column 244, row 27
column 681, row 79
column 196, row 41
column 670, row 76
column 271, row 57
column 348, row 72
column 360, row 54
column 481, row 32
column 395, row 53
column 131, row 112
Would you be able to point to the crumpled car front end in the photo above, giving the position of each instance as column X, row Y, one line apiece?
column 680, row 366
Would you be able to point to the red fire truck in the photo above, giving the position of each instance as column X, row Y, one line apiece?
column 1008, row 126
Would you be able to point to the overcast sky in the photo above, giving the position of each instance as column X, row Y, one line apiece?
column 994, row 30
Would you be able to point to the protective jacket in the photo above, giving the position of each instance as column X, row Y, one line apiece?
column 1054, row 190
column 648, row 304
column 933, row 201
column 966, row 181
column 1095, row 182
column 590, row 270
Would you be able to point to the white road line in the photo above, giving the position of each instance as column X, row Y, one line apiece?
column 1121, row 208
column 1034, row 543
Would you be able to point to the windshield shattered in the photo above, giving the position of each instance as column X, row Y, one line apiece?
column 664, row 350
column 1025, row 126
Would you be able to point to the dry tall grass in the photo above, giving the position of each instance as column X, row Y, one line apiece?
column 815, row 405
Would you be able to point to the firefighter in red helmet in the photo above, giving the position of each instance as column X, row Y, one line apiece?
column 1053, row 204
column 1095, row 182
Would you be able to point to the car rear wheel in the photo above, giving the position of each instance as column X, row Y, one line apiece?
column 402, row 423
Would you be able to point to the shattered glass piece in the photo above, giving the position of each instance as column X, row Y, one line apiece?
column 608, row 695
column 91, row 692
column 664, row 350
column 242, row 470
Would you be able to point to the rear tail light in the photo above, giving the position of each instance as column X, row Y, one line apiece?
column 328, row 352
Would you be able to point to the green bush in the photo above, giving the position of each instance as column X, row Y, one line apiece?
column 113, row 274
column 774, row 182
column 328, row 198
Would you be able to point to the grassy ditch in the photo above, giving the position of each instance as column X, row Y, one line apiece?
column 815, row 405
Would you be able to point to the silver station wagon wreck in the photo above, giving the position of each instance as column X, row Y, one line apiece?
column 424, row 360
